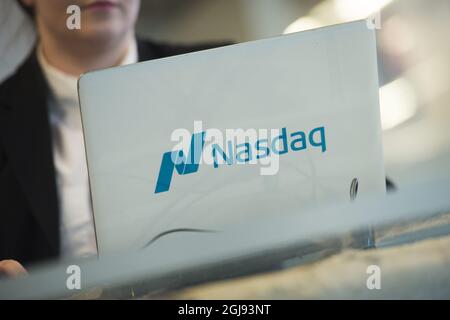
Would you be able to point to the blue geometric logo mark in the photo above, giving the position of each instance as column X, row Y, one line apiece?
column 177, row 160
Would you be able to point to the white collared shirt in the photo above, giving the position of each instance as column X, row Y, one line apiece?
column 76, row 219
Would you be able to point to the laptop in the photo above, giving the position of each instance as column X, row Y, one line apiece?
column 203, row 141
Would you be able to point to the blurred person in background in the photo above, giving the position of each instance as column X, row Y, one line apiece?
column 45, row 206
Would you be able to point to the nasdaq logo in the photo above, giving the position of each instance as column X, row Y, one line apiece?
column 176, row 160
column 231, row 152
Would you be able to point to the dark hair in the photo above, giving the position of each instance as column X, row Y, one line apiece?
column 28, row 10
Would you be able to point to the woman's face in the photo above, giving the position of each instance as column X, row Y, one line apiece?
column 99, row 19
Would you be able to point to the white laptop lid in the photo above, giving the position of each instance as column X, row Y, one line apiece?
column 318, row 89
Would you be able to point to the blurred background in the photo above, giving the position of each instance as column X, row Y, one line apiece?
column 413, row 56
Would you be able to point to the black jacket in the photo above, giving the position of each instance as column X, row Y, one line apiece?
column 29, row 213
